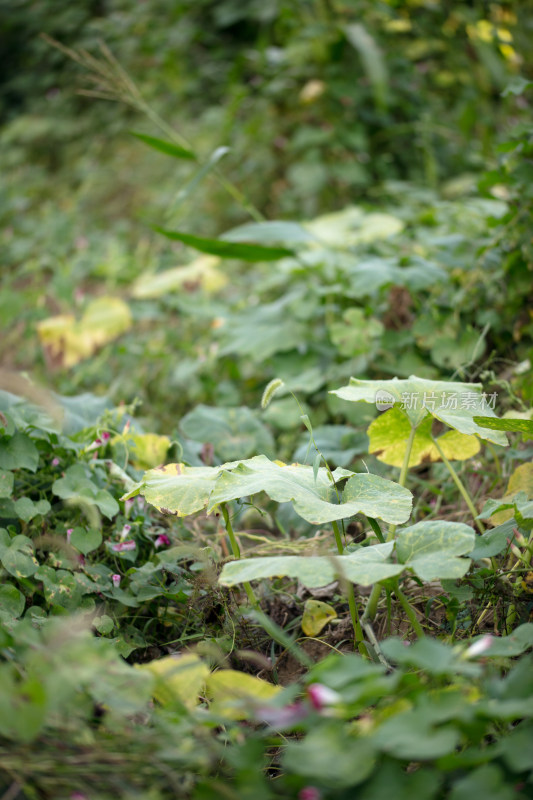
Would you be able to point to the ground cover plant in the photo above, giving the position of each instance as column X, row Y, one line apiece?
column 266, row 492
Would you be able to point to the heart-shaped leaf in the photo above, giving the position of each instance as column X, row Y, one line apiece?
column 455, row 404
column 177, row 488
column 16, row 555
column 389, row 434
column 317, row 500
column 433, row 548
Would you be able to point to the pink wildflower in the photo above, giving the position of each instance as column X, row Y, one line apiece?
column 128, row 505
column 321, row 697
column 124, row 532
column 55, row 462
column 309, row 793
column 120, row 547
column 116, row 581
column 162, row 540
column 69, row 534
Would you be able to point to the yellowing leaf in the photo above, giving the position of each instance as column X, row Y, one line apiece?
column 316, row 616
column 235, row 694
column 66, row 341
column 202, row 273
column 148, row 449
column 520, row 481
column 388, row 435
column 178, row 677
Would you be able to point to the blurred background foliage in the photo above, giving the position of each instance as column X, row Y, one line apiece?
column 323, row 104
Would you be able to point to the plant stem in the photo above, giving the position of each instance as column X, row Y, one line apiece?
column 237, row 553
column 409, row 610
column 460, row 485
column 352, row 605
column 375, row 594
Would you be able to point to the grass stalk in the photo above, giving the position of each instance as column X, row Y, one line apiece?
column 460, row 485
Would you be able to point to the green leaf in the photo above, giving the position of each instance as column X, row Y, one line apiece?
column 234, row 432
column 356, row 334
column 60, row 587
column 169, row 148
column 26, row 509
column 428, row 654
column 487, row 781
column 7, row 480
column 410, row 735
column 366, row 566
column 389, row 434
column 433, row 548
column 339, row 444
column 16, row 555
column 86, row 540
column 12, row 602
column 75, row 485
column 455, row 404
column 331, row 757
column 313, row 500
column 18, row 452
column 177, row 488
column 218, row 247
column 520, row 640
column 524, row 426
column 235, row 694
column 270, row 232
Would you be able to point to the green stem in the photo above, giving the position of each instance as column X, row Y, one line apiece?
column 409, row 610
column 375, row 594
column 352, row 605
column 460, row 485
column 494, row 455
column 235, row 549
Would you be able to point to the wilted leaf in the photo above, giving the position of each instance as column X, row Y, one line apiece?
column 147, row 449
column 178, row 677
column 235, row 694
column 67, row 342
column 202, row 273
column 316, row 616
column 520, row 481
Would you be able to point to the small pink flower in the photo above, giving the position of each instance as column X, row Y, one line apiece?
column 116, row 581
column 479, row 647
column 128, row 505
column 105, row 436
column 309, row 793
column 321, row 697
column 282, row 717
column 140, row 502
column 124, row 532
column 162, row 540
column 55, row 462
column 69, row 534
column 120, row 547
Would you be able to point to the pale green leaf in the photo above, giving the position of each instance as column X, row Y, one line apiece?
column 316, row 501
column 433, row 548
